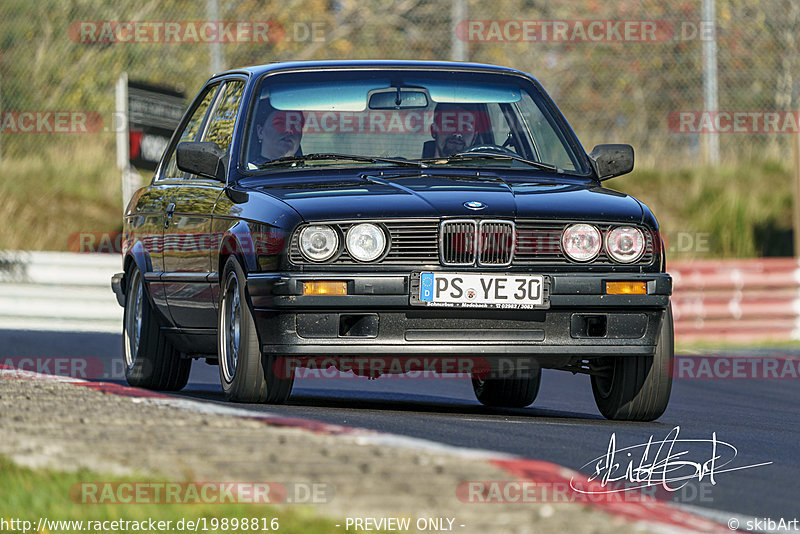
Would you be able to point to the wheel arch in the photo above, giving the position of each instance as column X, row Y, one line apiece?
column 137, row 256
column 237, row 241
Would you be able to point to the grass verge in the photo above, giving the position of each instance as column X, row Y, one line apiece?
column 54, row 190
column 29, row 495
column 733, row 211
column 49, row 191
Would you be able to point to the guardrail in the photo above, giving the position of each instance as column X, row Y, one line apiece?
column 736, row 300
column 59, row 291
column 713, row 300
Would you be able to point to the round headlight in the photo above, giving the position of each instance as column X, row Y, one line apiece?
column 319, row 242
column 581, row 242
column 366, row 242
column 625, row 244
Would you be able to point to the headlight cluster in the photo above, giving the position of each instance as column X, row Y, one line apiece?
column 319, row 242
column 365, row 242
column 623, row 244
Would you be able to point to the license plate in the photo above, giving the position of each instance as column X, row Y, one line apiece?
column 481, row 290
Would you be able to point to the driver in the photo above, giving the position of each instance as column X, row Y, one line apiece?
column 278, row 132
column 456, row 127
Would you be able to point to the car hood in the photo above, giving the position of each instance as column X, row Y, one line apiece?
column 371, row 196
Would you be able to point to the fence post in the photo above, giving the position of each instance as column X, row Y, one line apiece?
column 710, row 89
column 458, row 14
column 212, row 14
column 130, row 177
column 796, row 207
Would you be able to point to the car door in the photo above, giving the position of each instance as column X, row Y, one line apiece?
column 169, row 178
column 188, row 243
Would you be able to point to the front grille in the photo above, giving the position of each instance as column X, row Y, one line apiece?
column 496, row 242
column 457, row 242
column 453, row 243
column 539, row 243
column 464, row 241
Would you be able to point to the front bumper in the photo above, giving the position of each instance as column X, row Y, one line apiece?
column 377, row 318
column 117, row 282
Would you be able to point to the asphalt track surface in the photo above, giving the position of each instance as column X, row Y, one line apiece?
column 759, row 417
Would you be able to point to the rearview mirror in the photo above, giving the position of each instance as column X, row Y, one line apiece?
column 398, row 98
column 204, row 158
column 611, row 160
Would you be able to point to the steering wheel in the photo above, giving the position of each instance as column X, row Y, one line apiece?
column 497, row 149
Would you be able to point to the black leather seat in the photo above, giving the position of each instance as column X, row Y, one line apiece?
column 428, row 149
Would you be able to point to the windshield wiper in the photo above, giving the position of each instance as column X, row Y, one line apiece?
column 333, row 156
column 489, row 155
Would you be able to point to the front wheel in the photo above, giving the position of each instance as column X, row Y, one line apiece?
column 245, row 374
column 150, row 359
column 637, row 388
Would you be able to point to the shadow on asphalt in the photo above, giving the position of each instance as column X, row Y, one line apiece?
column 315, row 405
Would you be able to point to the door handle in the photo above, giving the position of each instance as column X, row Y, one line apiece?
column 170, row 211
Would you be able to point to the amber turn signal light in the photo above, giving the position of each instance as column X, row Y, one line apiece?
column 324, row 288
column 626, row 288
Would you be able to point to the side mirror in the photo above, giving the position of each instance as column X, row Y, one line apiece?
column 202, row 158
column 612, row 160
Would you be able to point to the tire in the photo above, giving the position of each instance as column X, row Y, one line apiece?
column 508, row 392
column 245, row 374
column 637, row 388
column 151, row 361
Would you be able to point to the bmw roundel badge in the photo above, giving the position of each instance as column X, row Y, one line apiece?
column 474, row 205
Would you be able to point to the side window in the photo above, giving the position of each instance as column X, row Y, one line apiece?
column 190, row 132
column 220, row 127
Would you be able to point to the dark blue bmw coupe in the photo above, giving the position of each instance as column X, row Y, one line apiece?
column 381, row 217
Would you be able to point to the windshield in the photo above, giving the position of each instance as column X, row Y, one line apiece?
column 437, row 118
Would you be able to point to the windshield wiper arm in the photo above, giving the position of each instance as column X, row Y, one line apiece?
column 489, row 155
column 334, row 156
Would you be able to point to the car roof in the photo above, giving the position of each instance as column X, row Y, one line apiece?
column 258, row 70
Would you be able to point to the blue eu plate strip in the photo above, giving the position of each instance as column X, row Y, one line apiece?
column 426, row 287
